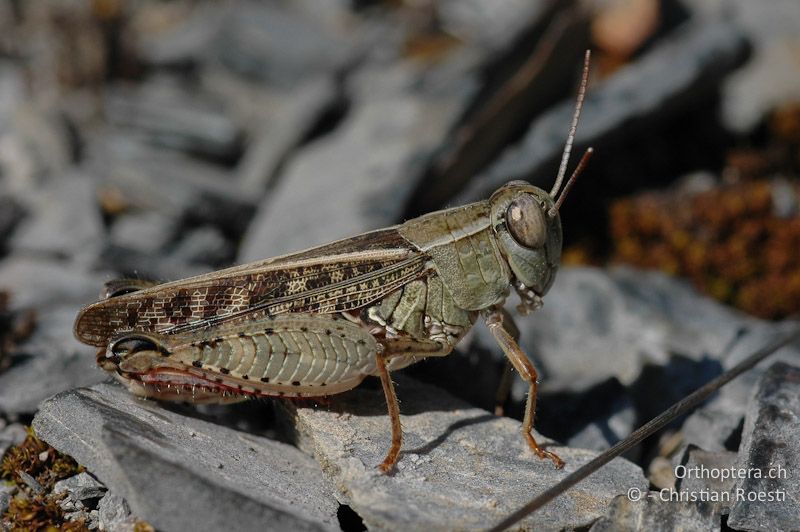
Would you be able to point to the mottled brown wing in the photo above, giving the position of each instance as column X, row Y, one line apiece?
column 344, row 275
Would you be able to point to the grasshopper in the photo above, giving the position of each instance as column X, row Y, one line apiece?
column 317, row 322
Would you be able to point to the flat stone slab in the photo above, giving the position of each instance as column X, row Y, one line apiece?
column 768, row 497
column 182, row 473
column 461, row 467
column 51, row 359
column 651, row 512
column 597, row 323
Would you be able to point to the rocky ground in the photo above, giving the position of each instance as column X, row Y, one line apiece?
column 172, row 138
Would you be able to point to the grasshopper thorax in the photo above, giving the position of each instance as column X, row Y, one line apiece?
column 528, row 228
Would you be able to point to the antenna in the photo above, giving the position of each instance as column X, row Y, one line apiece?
column 571, row 181
column 562, row 169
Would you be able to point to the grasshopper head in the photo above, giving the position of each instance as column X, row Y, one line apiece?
column 528, row 228
column 526, row 222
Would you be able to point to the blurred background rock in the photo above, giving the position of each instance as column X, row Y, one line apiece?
column 161, row 139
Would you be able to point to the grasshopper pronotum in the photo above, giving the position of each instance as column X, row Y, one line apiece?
column 317, row 322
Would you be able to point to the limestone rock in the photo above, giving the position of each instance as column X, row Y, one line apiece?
column 178, row 472
column 769, row 498
column 460, row 468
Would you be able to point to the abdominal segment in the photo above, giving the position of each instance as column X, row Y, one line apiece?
column 291, row 356
column 176, row 386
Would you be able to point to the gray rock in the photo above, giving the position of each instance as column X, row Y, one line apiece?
column 80, row 487
column 492, row 27
column 141, row 265
column 114, row 513
column 4, row 446
column 167, row 182
column 401, row 115
column 31, row 482
column 748, row 99
column 279, row 123
column 50, row 361
column 717, row 425
column 697, row 55
column 707, row 474
column 206, row 245
column 714, row 426
column 745, row 97
column 11, row 435
column 652, row 512
column 16, row 161
column 64, row 219
column 163, row 114
column 88, row 517
column 336, row 14
column 356, row 180
column 11, row 214
column 767, row 498
column 147, row 232
column 6, row 494
column 602, row 433
column 528, row 79
column 209, row 477
column 34, row 140
column 12, row 92
column 93, row 520
column 596, row 324
column 40, row 284
column 277, row 45
column 628, row 320
column 785, row 204
column 461, row 467
column 185, row 41
column 594, row 416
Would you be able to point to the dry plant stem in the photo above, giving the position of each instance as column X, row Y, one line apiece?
column 485, row 132
column 394, row 415
column 494, row 321
column 680, row 408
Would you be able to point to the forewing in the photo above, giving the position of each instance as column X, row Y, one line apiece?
column 342, row 276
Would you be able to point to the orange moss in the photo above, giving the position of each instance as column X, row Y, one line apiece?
column 39, row 513
column 28, row 458
column 727, row 240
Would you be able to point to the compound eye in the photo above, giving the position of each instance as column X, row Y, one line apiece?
column 526, row 221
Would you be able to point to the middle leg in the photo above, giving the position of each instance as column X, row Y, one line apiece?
column 494, row 321
column 394, row 415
